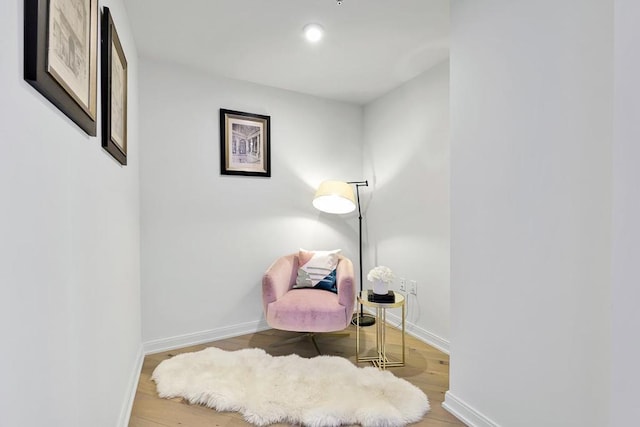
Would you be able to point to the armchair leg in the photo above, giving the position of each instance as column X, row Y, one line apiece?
column 310, row 335
column 292, row 340
column 315, row 344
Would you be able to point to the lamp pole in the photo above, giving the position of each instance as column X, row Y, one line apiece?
column 362, row 319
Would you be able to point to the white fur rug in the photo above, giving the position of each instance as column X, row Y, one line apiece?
column 322, row 391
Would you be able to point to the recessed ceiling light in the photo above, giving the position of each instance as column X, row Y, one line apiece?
column 313, row 32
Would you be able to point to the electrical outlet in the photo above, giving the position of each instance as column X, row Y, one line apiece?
column 403, row 284
column 413, row 287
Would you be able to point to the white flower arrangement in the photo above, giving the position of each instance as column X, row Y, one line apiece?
column 381, row 273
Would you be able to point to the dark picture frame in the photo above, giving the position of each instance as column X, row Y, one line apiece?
column 114, row 90
column 245, row 143
column 61, row 56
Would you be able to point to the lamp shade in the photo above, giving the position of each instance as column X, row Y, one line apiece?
column 334, row 197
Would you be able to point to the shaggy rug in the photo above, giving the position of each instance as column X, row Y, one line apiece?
column 322, row 391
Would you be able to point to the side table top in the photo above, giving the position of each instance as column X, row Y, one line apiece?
column 399, row 300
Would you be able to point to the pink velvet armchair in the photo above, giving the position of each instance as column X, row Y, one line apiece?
column 307, row 310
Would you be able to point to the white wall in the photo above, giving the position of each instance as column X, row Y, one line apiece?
column 531, row 177
column 69, row 253
column 406, row 158
column 207, row 238
column 626, row 211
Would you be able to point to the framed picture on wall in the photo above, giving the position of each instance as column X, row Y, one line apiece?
column 61, row 56
column 245, row 144
column 114, row 91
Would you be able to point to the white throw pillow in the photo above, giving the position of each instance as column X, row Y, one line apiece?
column 317, row 269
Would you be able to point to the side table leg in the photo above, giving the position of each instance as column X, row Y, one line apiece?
column 384, row 339
column 357, row 339
column 378, row 330
column 403, row 332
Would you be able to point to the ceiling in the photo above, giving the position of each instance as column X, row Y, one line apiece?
column 369, row 48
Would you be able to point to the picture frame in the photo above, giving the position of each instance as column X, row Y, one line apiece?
column 61, row 56
column 245, row 143
column 114, row 91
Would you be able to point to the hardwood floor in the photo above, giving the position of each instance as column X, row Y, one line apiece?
column 425, row 367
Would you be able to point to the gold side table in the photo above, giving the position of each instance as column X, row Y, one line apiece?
column 381, row 360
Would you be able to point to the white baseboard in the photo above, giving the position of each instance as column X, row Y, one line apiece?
column 466, row 413
column 422, row 334
column 165, row 344
column 125, row 413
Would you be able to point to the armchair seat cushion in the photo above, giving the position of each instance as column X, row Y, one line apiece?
column 309, row 310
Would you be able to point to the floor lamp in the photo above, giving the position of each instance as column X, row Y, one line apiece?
column 337, row 197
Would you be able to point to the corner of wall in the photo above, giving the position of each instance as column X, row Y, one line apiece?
column 132, row 387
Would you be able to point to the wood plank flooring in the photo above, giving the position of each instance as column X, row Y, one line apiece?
column 425, row 367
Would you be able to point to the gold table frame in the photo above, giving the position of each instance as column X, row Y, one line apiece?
column 381, row 361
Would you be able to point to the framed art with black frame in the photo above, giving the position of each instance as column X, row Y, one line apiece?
column 61, row 56
column 245, row 144
column 114, row 91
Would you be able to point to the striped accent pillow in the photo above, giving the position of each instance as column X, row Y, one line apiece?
column 317, row 269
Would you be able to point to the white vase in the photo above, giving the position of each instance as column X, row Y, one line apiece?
column 380, row 287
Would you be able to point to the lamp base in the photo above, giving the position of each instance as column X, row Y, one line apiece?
column 365, row 319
